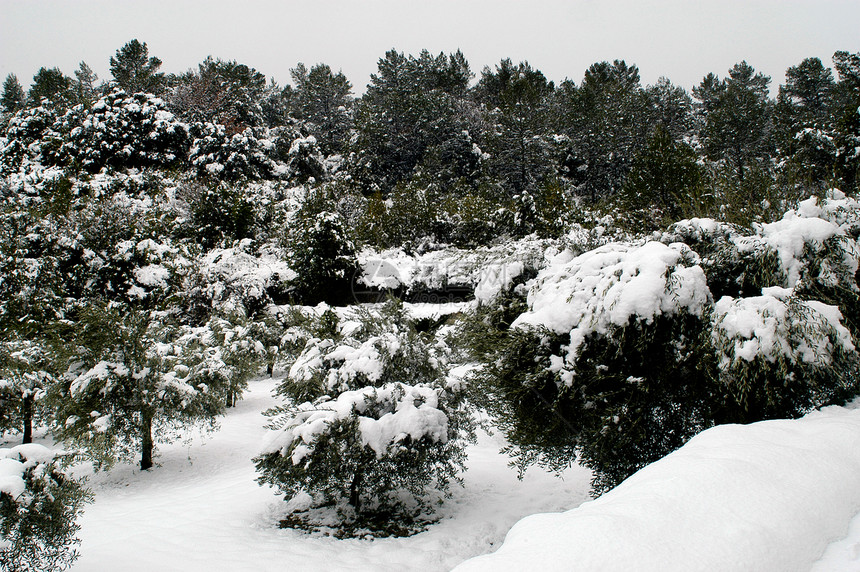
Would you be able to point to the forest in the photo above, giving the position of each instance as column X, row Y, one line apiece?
column 623, row 266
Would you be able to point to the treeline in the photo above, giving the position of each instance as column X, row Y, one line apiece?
column 434, row 154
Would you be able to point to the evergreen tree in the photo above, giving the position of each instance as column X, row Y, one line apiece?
column 671, row 108
column 134, row 70
column 323, row 257
column 13, row 98
column 85, row 88
column 803, row 121
column 52, row 85
column 737, row 117
column 665, row 183
column 607, row 124
column 847, row 119
column 411, row 106
column 323, row 100
column 127, row 394
column 516, row 98
column 223, row 92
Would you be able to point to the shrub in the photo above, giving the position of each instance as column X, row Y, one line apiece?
column 622, row 354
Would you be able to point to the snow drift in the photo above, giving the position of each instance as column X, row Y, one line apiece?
column 767, row 496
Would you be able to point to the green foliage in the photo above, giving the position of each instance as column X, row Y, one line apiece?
column 737, row 115
column 383, row 487
column 323, row 99
column 220, row 213
column 37, row 527
column 51, row 85
column 129, row 388
column 627, row 394
column 13, row 98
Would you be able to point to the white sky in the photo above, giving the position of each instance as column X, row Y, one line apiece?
column 682, row 40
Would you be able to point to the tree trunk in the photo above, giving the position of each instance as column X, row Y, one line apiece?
column 27, row 408
column 354, row 496
column 146, row 441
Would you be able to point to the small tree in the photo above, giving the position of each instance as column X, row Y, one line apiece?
column 665, row 183
column 371, row 426
column 132, row 389
column 24, row 380
column 39, row 504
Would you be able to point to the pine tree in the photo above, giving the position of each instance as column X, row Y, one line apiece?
column 803, row 122
column 134, row 70
column 323, row 99
column 13, row 98
column 847, row 119
column 516, row 99
column 52, row 85
column 665, row 180
column 85, row 85
column 606, row 121
column 737, row 117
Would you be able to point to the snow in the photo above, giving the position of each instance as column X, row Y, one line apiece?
column 767, row 496
column 15, row 461
column 202, row 510
column 768, row 326
column 611, row 285
column 407, row 419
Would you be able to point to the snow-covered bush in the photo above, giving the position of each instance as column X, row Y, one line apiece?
column 24, row 137
column 374, row 452
column 39, row 504
column 224, row 354
column 624, row 352
column 371, row 425
column 778, row 354
column 124, row 131
column 370, row 348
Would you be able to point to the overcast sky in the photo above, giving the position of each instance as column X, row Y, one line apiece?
column 682, row 40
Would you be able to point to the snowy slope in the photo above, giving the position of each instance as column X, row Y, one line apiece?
column 203, row 511
column 770, row 496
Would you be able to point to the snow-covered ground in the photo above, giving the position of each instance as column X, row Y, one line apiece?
column 769, row 496
column 203, row 510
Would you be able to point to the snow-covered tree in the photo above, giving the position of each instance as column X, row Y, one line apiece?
column 24, row 380
column 130, row 388
column 323, row 257
column 372, row 425
column 323, row 100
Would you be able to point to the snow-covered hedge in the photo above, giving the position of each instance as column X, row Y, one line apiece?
column 39, row 504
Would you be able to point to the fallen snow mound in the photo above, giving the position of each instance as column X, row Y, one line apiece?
column 767, row 496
